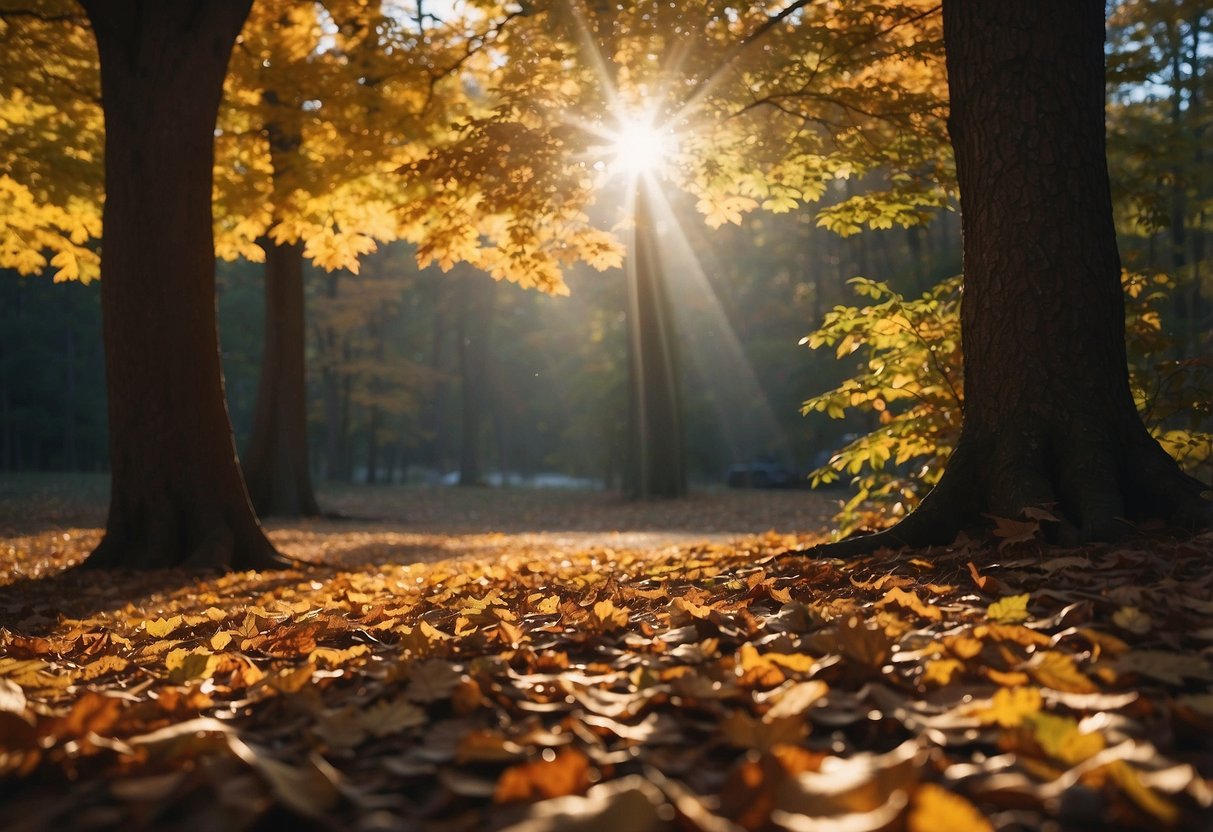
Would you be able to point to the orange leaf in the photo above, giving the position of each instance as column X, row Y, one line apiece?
column 568, row 772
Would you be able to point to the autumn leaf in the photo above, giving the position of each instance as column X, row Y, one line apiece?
column 910, row 601
column 1010, row 609
column 1132, row 620
column 1059, row 671
column 744, row 731
column 934, row 808
column 1061, row 738
column 566, row 772
column 162, row 627
column 1009, row 707
column 609, row 617
column 870, row 646
column 1014, row 531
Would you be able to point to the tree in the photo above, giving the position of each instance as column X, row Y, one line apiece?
column 657, row 461
column 770, row 103
column 177, row 495
column 1049, row 420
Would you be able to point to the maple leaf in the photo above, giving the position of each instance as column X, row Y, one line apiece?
column 910, row 601
column 1014, row 531
column 1009, row 707
column 608, row 616
column 1059, row 671
column 1061, row 738
column 1010, row 609
column 935, row 808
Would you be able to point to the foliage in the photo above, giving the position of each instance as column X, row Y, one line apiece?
column 51, row 140
column 910, row 379
column 770, row 105
column 534, row 684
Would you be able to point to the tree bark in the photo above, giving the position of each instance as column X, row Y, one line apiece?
column 1049, row 419
column 276, row 461
column 177, row 496
column 656, row 443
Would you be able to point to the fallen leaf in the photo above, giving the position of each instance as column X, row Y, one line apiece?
column 566, row 773
column 935, row 809
column 1009, row 610
column 1009, row 707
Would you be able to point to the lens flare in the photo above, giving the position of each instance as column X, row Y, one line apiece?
column 640, row 147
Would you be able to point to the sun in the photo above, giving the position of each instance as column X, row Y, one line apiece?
column 640, row 147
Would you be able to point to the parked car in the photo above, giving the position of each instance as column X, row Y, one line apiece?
column 762, row 474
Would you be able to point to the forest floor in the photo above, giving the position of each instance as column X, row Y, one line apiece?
column 454, row 660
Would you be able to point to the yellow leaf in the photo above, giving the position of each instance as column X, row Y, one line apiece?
column 548, row 606
column 220, row 640
column 1133, row 620
column 184, row 665
column 940, row 671
column 67, row 265
column 1009, row 707
column 1130, row 783
column 1059, row 737
column 102, row 666
column 1059, row 672
column 161, row 627
column 1010, row 609
column 910, row 601
column 936, row 809
column 334, row 657
column 610, row 616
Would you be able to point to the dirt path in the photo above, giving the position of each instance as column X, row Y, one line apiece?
column 52, row 521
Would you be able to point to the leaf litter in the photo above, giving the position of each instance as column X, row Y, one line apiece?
column 715, row 686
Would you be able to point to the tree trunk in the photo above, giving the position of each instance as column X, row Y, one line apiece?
column 656, row 445
column 1049, row 419
column 331, row 383
column 70, row 455
column 436, row 412
column 475, row 323
column 177, row 496
column 276, row 460
column 276, row 464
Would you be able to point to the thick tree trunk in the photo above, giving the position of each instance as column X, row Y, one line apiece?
column 177, row 496
column 656, row 465
column 1049, row 419
column 276, row 460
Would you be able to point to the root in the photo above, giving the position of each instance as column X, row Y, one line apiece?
column 1166, row 491
column 161, row 543
column 940, row 516
column 1096, row 484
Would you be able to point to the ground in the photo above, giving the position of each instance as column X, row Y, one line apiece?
column 507, row 659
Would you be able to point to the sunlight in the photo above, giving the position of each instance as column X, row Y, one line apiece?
column 639, row 147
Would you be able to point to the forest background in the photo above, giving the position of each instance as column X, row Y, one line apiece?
column 418, row 375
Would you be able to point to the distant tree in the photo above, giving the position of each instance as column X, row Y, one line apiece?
column 1049, row 420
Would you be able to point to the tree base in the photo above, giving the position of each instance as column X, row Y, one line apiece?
column 1097, row 490
column 168, row 545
